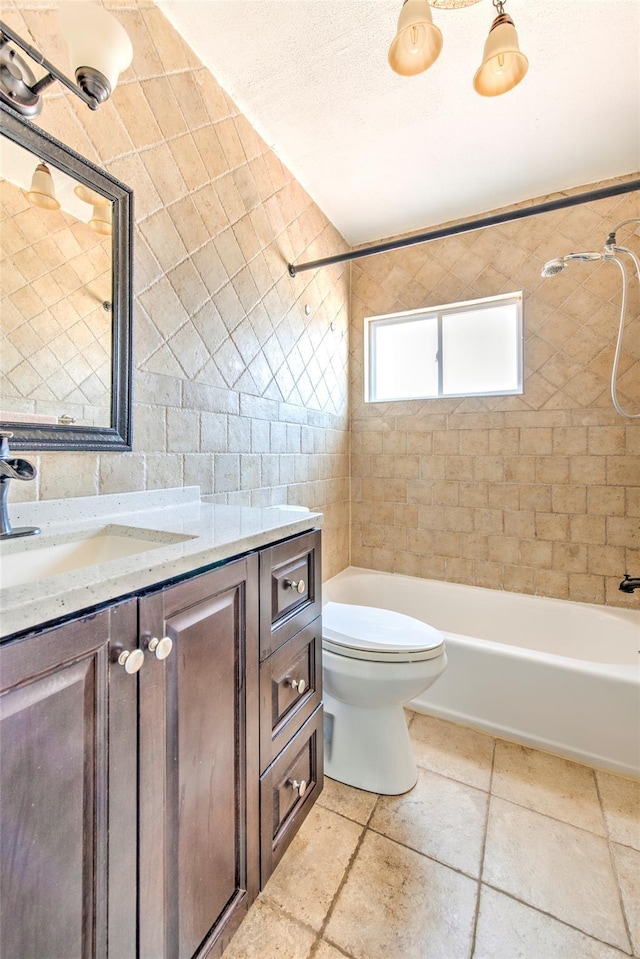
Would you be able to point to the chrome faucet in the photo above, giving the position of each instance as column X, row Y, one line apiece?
column 12, row 468
column 629, row 583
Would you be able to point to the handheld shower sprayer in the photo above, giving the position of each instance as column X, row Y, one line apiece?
column 610, row 255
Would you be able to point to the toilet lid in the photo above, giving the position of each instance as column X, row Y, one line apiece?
column 360, row 630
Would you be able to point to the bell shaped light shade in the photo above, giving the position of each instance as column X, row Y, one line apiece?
column 417, row 43
column 503, row 65
column 42, row 192
column 100, row 221
column 87, row 195
column 99, row 46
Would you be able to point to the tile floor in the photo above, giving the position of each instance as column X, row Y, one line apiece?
column 499, row 852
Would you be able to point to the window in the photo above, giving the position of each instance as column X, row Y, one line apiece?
column 461, row 349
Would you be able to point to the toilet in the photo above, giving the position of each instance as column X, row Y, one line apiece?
column 374, row 661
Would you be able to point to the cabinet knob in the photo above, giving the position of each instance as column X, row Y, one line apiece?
column 297, row 585
column 131, row 659
column 161, row 647
column 299, row 787
column 298, row 684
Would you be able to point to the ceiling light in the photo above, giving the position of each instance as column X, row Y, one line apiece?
column 42, row 192
column 503, row 65
column 100, row 50
column 418, row 43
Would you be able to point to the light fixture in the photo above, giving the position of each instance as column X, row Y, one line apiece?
column 100, row 221
column 42, row 192
column 87, row 195
column 503, row 65
column 99, row 47
column 418, row 42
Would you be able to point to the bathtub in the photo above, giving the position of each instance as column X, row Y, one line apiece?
column 557, row 675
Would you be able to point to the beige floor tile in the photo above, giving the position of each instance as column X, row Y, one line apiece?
column 507, row 928
column 439, row 817
column 396, row 903
column 547, row 784
column 452, row 750
column 353, row 803
column 555, row 867
column 311, row 870
column 326, row 951
column 267, row 932
column 627, row 862
column 621, row 803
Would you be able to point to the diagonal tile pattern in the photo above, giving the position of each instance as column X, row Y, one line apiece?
column 534, row 860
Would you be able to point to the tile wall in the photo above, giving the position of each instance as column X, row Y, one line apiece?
column 55, row 332
column 241, row 372
column 538, row 493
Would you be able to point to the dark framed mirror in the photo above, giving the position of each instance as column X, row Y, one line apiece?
column 67, row 301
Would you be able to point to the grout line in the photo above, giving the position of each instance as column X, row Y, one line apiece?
column 550, row 915
column 474, row 931
column 345, row 876
column 614, row 867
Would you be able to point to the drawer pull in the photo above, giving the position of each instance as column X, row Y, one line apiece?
column 131, row 659
column 297, row 585
column 298, row 684
column 161, row 647
column 299, row 787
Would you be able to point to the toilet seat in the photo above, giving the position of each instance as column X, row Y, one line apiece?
column 379, row 635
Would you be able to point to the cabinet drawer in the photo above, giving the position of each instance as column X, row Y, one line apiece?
column 290, row 582
column 282, row 807
column 290, row 690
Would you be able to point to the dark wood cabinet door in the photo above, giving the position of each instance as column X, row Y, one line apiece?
column 67, row 742
column 199, row 821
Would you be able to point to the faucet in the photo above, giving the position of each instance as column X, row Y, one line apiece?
column 12, row 468
column 628, row 584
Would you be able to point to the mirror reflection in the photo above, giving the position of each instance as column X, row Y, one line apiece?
column 56, row 265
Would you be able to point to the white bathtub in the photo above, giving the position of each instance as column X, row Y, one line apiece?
column 561, row 676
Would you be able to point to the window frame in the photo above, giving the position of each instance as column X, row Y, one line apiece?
column 438, row 312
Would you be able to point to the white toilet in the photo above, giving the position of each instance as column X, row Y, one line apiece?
column 374, row 661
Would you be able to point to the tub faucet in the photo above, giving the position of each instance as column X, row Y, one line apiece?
column 12, row 468
column 629, row 583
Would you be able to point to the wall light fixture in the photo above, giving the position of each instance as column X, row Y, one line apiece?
column 418, row 42
column 99, row 47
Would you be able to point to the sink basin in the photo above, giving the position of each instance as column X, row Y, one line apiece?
column 30, row 560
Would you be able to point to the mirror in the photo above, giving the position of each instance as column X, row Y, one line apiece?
column 65, row 317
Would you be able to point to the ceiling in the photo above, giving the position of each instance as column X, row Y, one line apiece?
column 382, row 154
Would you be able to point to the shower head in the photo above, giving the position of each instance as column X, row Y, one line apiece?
column 553, row 267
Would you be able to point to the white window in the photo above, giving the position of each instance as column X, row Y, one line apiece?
column 460, row 349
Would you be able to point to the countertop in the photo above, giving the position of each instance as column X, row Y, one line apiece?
column 208, row 534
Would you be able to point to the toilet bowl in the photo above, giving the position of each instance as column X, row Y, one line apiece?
column 374, row 661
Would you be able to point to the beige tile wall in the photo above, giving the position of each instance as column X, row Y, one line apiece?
column 55, row 336
column 241, row 372
column 538, row 493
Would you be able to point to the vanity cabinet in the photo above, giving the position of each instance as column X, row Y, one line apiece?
column 68, row 794
column 199, row 762
column 291, row 735
column 156, row 758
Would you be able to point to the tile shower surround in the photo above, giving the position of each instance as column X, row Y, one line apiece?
column 538, row 493
column 238, row 390
column 499, row 851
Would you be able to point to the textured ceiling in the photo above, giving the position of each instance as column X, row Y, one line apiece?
column 383, row 154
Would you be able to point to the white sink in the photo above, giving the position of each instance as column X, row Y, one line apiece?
column 34, row 558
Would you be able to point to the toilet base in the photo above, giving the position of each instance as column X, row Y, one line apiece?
column 368, row 748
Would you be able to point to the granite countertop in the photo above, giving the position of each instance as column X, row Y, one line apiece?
column 183, row 533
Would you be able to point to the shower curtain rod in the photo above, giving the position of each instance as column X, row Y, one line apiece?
column 468, row 225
